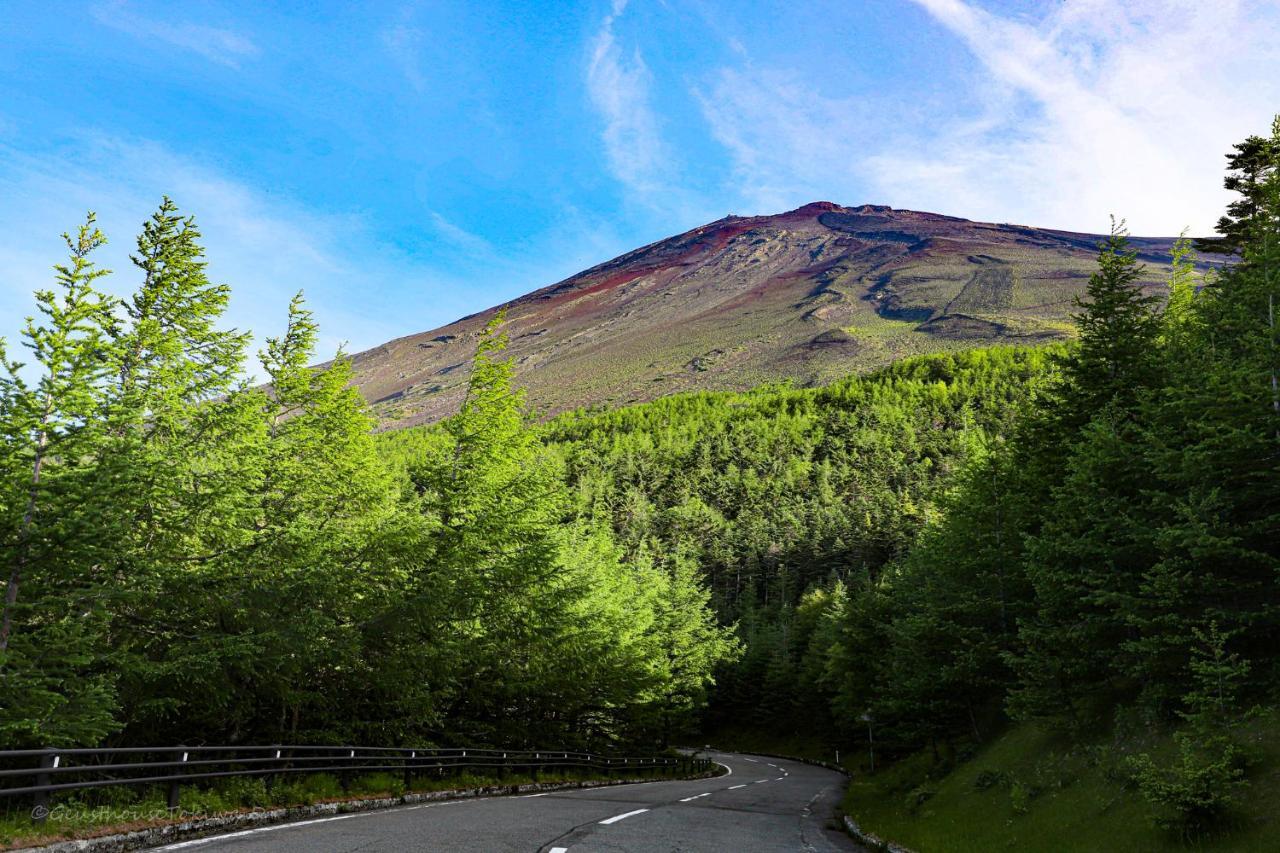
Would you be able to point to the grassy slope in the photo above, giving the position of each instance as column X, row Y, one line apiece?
column 1052, row 797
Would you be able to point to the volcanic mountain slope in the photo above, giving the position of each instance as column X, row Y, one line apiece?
column 806, row 296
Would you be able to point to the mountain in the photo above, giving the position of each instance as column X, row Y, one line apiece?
column 807, row 296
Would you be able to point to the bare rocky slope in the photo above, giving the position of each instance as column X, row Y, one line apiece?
column 805, row 296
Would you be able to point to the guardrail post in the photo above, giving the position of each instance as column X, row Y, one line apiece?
column 270, row 779
column 179, row 754
column 534, row 770
column 408, row 770
column 40, row 807
column 344, row 775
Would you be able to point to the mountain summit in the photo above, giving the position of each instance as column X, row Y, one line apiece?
column 807, row 295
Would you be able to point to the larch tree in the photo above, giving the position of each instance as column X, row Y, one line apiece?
column 54, row 686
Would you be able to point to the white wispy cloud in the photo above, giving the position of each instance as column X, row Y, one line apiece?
column 264, row 247
column 1113, row 108
column 218, row 44
column 459, row 236
column 403, row 41
column 788, row 143
column 1092, row 108
column 618, row 83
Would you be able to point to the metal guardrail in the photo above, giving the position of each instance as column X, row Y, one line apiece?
column 41, row 773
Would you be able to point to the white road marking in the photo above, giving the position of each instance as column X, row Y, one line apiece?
column 527, row 796
column 694, row 797
column 245, row 832
column 753, row 761
column 726, row 767
column 558, row 850
column 622, row 816
column 774, row 766
column 758, row 781
column 736, row 787
column 779, row 779
column 182, row 845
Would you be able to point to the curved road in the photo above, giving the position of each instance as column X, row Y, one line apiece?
column 763, row 804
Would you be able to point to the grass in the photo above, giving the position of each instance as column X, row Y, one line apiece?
column 106, row 811
column 1029, row 790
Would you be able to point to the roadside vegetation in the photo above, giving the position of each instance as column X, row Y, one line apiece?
column 1081, row 542
column 1036, row 588
column 108, row 811
column 193, row 558
column 1031, row 788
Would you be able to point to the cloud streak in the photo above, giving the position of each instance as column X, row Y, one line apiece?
column 618, row 85
column 402, row 42
column 1092, row 108
column 1112, row 108
column 788, row 143
column 265, row 248
column 220, row 45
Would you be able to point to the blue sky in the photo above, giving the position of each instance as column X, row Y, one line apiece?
column 407, row 163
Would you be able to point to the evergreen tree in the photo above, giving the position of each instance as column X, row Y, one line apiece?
column 1114, row 358
column 54, row 689
column 1250, row 165
column 690, row 645
column 174, row 466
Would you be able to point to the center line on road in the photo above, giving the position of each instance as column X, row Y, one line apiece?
column 779, row 779
column 558, row 850
column 758, row 781
column 622, row 816
column 736, row 787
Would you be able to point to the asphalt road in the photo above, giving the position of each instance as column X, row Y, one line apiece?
column 764, row 804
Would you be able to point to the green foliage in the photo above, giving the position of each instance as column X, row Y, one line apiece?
column 791, row 503
column 1071, row 535
column 1250, row 165
column 195, row 558
column 1138, row 498
column 1205, row 779
column 310, row 788
column 54, row 688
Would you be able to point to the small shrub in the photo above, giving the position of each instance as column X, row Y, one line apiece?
column 306, row 789
column 244, row 791
column 1198, row 789
column 1020, row 797
column 1200, row 786
column 378, row 783
column 918, row 796
column 989, row 779
column 230, row 794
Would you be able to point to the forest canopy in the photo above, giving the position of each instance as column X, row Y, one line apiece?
column 1080, row 534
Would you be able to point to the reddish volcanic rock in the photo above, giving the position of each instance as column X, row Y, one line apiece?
column 806, row 295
